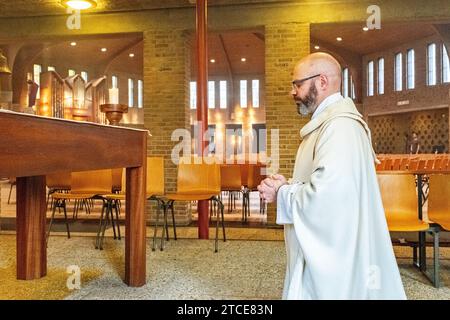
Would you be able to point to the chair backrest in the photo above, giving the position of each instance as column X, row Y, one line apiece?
column 198, row 178
column 117, row 181
column 95, row 182
column 398, row 192
column 230, row 177
column 255, row 176
column 439, row 196
column 155, row 176
column 60, row 181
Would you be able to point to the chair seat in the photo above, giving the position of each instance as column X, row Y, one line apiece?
column 443, row 220
column 115, row 196
column 189, row 196
column 67, row 196
column 407, row 225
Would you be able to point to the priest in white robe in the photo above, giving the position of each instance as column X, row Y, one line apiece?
column 337, row 240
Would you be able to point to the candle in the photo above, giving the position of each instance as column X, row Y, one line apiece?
column 114, row 96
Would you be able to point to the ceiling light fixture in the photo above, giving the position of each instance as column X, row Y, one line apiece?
column 79, row 4
column 243, row 59
column 316, row 47
column 212, row 60
column 131, row 55
column 339, row 39
column 103, row 49
column 366, row 29
column 73, row 44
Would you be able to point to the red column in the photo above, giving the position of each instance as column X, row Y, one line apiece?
column 202, row 103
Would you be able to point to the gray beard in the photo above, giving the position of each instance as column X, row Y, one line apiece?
column 302, row 109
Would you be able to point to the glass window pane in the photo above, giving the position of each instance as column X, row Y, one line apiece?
column 140, row 94
column 445, row 65
column 410, row 70
column 431, row 64
column 71, row 72
column 223, row 94
column 255, row 93
column 370, row 78
column 211, row 94
column 243, row 93
column 193, row 95
column 130, row 92
column 398, row 72
column 345, row 82
column 50, row 68
column 381, row 76
column 114, row 82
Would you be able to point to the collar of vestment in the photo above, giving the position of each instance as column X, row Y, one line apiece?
column 343, row 107
column 335, row 97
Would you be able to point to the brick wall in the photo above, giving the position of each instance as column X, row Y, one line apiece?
column 166, row 78
column 422, row 97
column 285, row 45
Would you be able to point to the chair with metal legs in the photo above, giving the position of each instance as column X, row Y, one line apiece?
column 439, row 209
column 400, row 202
column 155, row 192
column 199, row 179
column 85, row 185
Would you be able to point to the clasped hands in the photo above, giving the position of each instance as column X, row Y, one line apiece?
column 269, row 187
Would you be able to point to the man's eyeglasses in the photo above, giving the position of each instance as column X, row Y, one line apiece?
column 298, row 82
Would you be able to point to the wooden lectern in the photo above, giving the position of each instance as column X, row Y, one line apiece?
column 32, row 147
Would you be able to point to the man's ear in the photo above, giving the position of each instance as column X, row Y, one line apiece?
column 324, row 82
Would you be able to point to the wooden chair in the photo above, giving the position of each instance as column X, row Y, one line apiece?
column 230, row 181
column 398, row 192
column 155, row 192
column 199, row 180
column 85, row 185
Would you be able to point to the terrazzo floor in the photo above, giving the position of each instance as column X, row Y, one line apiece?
column 188, row 268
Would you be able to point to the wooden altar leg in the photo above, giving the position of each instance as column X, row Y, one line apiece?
column 30, row 230
column 135, row 241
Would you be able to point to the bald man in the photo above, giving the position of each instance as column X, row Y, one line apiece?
column 337, row 241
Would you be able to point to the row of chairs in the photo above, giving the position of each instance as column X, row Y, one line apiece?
column 195, row 182
column 399, row 195
column 242, row 178
column 428, row 162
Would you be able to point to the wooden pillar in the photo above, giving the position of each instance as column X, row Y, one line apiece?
column 135, row 250
column 31, row 244
column 202, row 103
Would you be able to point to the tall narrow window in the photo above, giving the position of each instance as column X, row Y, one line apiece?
column 398, row 83
column 71, row 72
column 37, row 69
column 140, row 94
column 445, row 65
column 255, row 93
column 345, row 82
column 243, row 93
column 410, row 72
column 130, row 92
column 223, row 94
column 431, row 64
column 381, row 76
column 352, row 88
column 211, row 94
column 50, row 68
column 193, row 95
column 370, row 78
column 84, row 75
column 114, row 82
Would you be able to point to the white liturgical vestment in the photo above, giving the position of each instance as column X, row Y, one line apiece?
column 337, row 241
